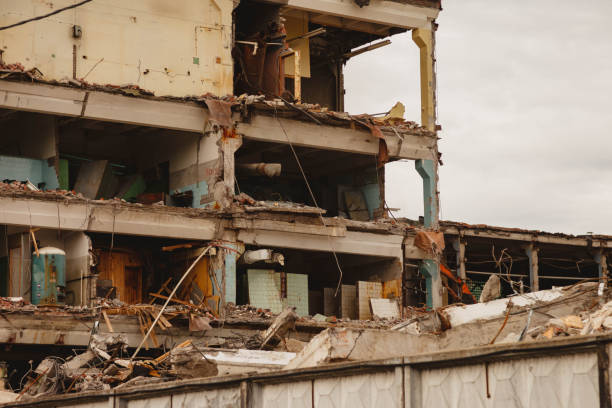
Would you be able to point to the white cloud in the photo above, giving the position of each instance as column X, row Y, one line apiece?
column 524, row 101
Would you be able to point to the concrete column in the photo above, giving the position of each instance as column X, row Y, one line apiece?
column 223, row 271
column 532, row 254
column 431, row 271
column 430, row 268
column 425, row 40
column 459, row 246
column 428, row 169
column 602, row 265
column 229, row 146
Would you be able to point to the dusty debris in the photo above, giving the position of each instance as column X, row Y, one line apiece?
column 189, row 362
column 280, row 327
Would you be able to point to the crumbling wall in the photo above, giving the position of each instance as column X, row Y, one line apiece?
column 196, row 166
column 179, row 49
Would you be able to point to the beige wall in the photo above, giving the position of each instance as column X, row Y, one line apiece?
column 177, row 48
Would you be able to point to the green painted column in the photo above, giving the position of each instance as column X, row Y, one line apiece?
column 427, row 170
column 429, row 267
column 431, row 271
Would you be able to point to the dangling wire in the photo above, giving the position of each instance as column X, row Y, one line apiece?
column 314, row 200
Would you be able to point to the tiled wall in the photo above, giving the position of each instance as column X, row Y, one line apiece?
column 365, row 291
column 348, row 302
column 297, row 292
column 265, row 291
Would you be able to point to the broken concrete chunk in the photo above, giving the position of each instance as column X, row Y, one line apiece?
column 71, row 366
column 281, row 326
column 491, row 290
column 573, row 321
column 188, row 362
column 198, row 323
column 385, row 308
column 319, row 317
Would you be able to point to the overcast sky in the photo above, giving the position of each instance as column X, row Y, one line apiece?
column 525, row 103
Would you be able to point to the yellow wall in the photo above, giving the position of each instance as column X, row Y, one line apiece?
column 296, row 27
column 184, row 45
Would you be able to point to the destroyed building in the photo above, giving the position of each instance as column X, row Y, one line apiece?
column 174, row 174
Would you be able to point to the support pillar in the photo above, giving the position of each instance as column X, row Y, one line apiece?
column 459, row 246
column 428, row 169
column 430, row 269
column 602, row 265
column 223, row 272
column 534, row 277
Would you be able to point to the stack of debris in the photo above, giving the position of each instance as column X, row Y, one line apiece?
column 585, row 323
column 105, row 365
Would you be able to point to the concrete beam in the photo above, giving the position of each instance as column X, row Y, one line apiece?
column 106, row 218
column 526, row 236
column 358, row 243
column 299, row 133
column 190, row 117
column 379, row 12
column 59, row 100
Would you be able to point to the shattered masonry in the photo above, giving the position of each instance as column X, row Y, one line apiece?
column 194, row 216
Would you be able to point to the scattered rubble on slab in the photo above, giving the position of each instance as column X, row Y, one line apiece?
column 577, row 310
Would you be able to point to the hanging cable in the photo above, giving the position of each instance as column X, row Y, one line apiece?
column 45, row 15
column 314, row 200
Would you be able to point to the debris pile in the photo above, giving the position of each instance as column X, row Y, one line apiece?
column 585, row 323
column 105, row 365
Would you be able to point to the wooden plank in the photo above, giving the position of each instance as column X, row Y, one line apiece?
column 182, row 302
column 108, row 323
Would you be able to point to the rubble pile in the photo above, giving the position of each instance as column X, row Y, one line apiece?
column 585, row 323
column 105, row 365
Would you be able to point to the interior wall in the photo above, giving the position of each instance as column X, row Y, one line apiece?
column 29, row 150
column 196, row 165
column 80, row 282
column 20, row 265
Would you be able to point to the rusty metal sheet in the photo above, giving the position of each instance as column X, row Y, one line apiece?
column 220, row 111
